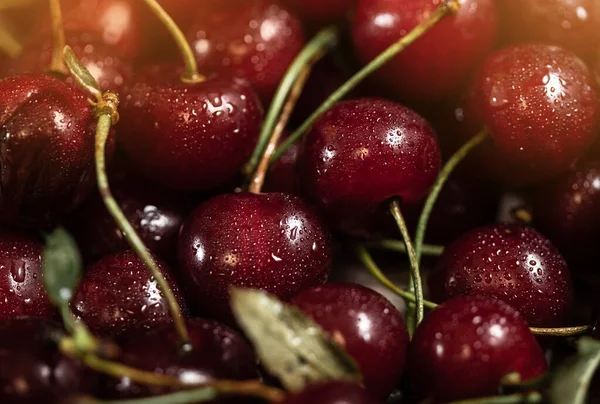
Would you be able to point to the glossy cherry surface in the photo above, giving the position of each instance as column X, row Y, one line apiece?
column 118, row 293
column 272, row 242
column 437, row 64
column 363, row 152
column 331, row 393
column 463, row 348
column 192, row 137
column 540, row 105
column 366, row 325
column 254, row 39
column 218, row 353
column 22, row 290
column 47, row 143
column 513, row 263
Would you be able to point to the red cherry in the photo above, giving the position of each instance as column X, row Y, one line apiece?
column 47, row 133
column 331, row 393
column 367, row 325
column 118, row 293
column 509, row 262
column 321, row 12
column 266, row 241
column 541, row 108
column 437, row 64
column 254, row 39
column 282, row 174
column 463, row 348
column 363, row 152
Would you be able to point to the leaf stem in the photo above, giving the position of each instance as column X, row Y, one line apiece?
column 561, row 332
column 399, row 246
column 57, row 65
column 448, row 7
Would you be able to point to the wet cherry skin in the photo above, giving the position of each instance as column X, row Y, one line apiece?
column 218, row 353
column 463, row 348
column 118, row 293
column 513, row 263
column 189, row 137
column 363, row 152
column 540, row 105
column 272, row 242
column 331, row 393
column 366, row 325
column 22, row 290
column 436, row 65
column 254, row 39
column 47, row 138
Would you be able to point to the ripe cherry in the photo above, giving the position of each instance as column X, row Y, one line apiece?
column 118, row 293
column 265, row 241
column 436, row 65
column 541, row 108
column 22, row 290
column 47, row 133
column 254, row 39
column 366, row 325
column 331, row 393
column 513, row 263
column 363, row 152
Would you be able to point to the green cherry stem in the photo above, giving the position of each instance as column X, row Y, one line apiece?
column 561, row 332
column 57, row 65
column 191, row 74
column 312, row 52
column 439, row 184
column 447, row 8
column 399, row 246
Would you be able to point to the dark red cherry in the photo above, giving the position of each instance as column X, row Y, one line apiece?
column 118, row 293
column 571, row 24
column 192, row 137
column 463, row 348
column 363, row 152
column 254, row 39
column 281, row 176
column 33, row 370
column 366, row 325
column 22, row 290
column 513, row 263
column 321, row 12
column 540, row 105
column 272, row 242
column 436, row 65
column 47, row 141
column 331, row 393
column 218, row 353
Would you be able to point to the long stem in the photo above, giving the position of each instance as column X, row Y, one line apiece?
column 439, row 184
column 399, row 246
column 9, row 44
column 102, row 130
column 561, row 332
column 311, row 53
column 412, row 256
column 57, row 65
column 191, row 74
column 448, row 7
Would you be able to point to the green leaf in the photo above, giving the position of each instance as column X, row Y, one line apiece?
column 80, row 73
column 571, row 381
column 62, row 267
column 289, row 343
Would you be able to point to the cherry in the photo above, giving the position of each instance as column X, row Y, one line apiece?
column 437, row 64
column 463, row 349
column 218, row 353
column 321, row 12
column 567, row 23
column 509, row 262
column 367, row 325
column 118, row 293
column 47, row 133
column 33, row 370
column 22, row 291
column 255, row 39
column 192, row 137
column 541, row 109
column 331, row 393
column 282, row 173
column 267, row 241
column 363, row 152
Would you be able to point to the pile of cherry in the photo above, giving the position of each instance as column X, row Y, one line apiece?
column 450, row 141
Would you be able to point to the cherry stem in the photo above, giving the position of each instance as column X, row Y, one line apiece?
column 399, row 246
column 367, row 260
column 447, row 8
column 312, row 52
column 57, row 65
column 519, row 398
column 561, row 332
column 16, row 4
column 9, row 44
column 415, row 274
column 191, row 74
column 448, row 168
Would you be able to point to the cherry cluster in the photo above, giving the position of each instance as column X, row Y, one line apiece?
column 452, row 141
